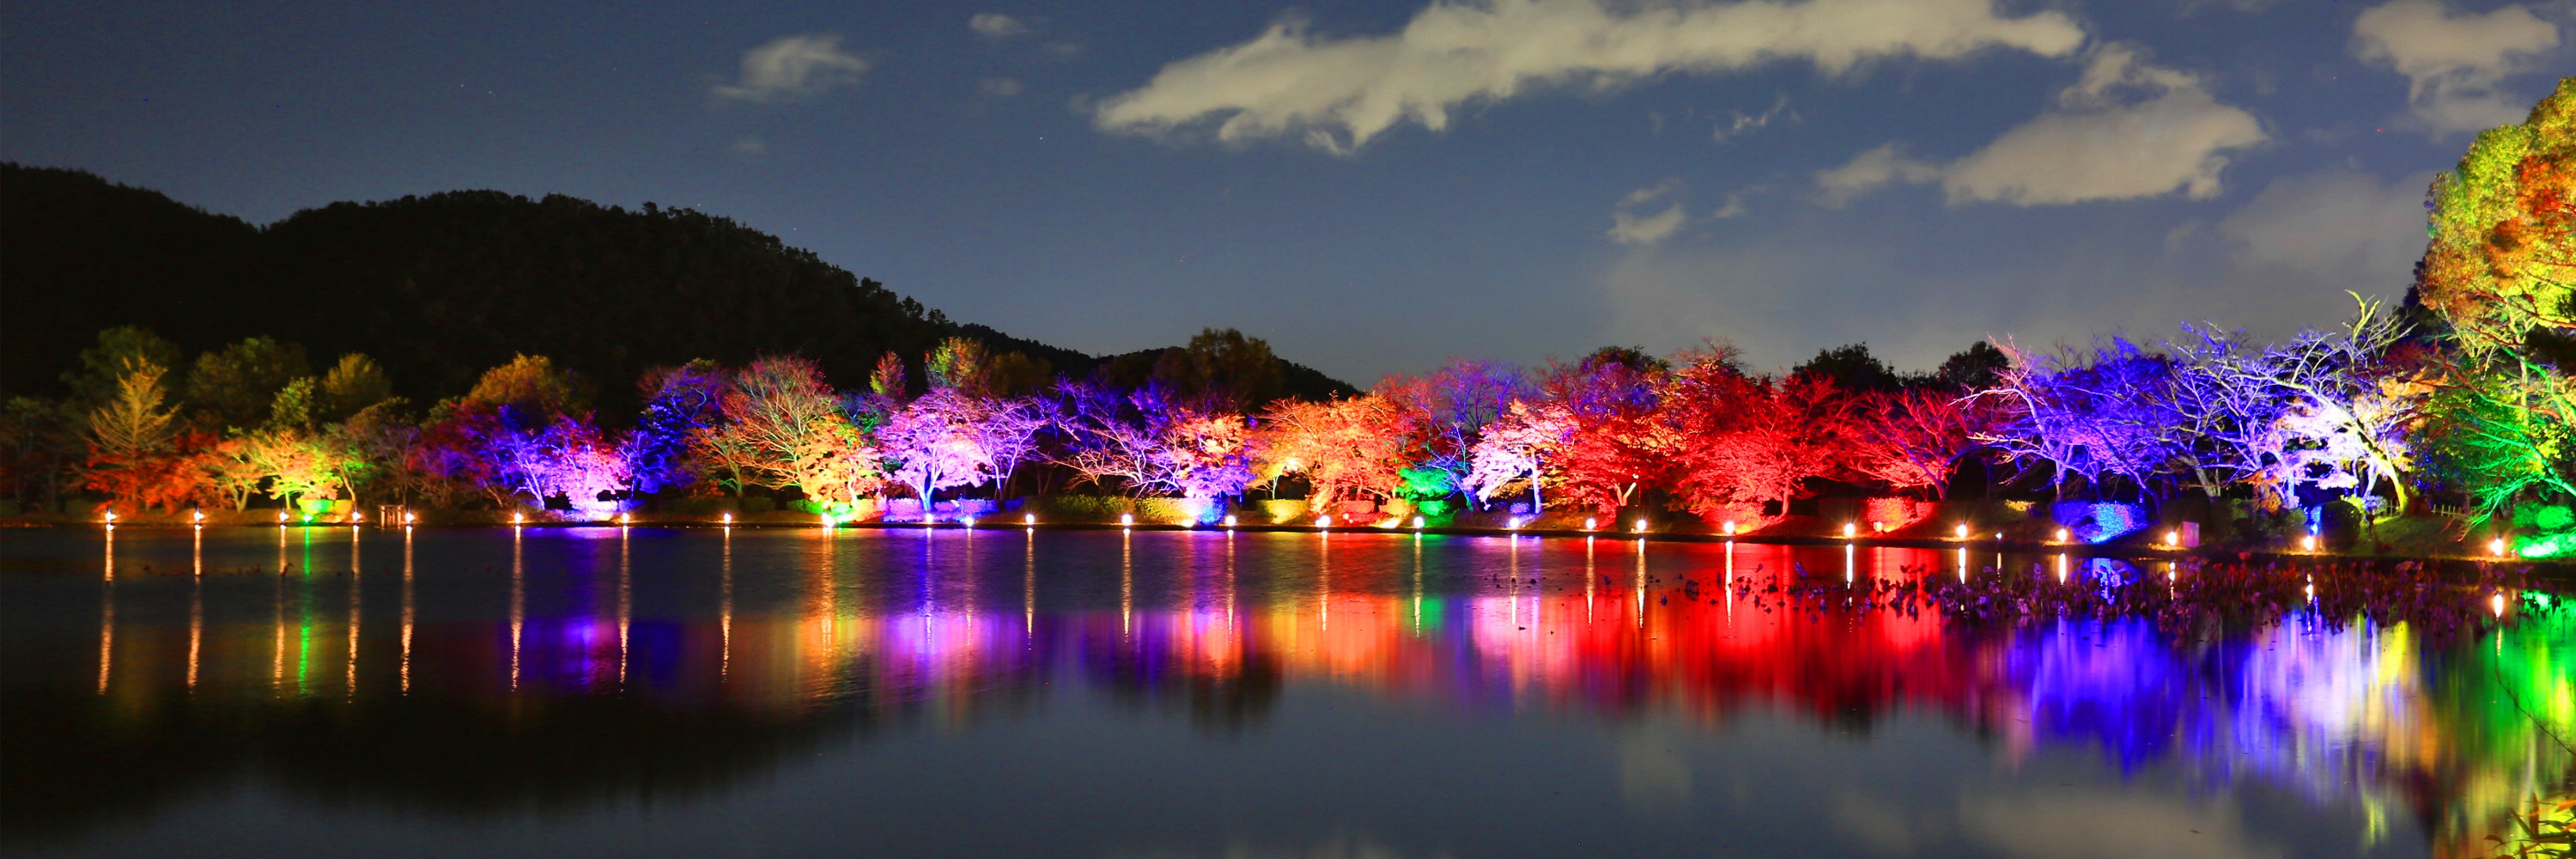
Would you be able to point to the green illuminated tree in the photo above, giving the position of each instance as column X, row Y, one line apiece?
column 2500, row 272
column 352, row 385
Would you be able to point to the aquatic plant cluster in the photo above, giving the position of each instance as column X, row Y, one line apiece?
column 2185, row 596
column 2458, row 392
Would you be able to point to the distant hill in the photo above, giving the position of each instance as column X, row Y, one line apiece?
column 439, row 288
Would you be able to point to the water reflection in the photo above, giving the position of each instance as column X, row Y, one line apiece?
column 608, row 662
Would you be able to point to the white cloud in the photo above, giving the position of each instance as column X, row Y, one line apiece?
column 1000, row 86
column 2335, row 226
column 1869, row 170
column 2453, row 63
column 1739, row 124
column 1734, row 207
column 1337, row 94
column 2125, row 130
column 1651, row 193
column 794, row 67
column 750, row 147
column 995, row 25
column 1629, row 227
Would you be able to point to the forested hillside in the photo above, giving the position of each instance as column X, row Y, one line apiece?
column 440, row 288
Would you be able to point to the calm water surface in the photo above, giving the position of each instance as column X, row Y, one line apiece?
column 591, row 692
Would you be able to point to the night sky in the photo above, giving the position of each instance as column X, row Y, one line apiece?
column 1375, row 187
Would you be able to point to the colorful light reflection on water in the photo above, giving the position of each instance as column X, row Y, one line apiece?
column 465, row 672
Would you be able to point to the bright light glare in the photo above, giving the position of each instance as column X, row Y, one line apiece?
column 1126, row 520
column 1850, row 529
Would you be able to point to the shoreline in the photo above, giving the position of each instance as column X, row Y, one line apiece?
column 2118, row 549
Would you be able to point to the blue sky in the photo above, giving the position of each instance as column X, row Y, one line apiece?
column 1375, row 187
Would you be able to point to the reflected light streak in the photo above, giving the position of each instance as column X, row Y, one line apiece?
column 356, row 579
column 406, row 608
column 519, row 594
column 724, row 606
column 1126, row 583
column 625, row 599
column 277, row 660
column 107, row 616
column 196, row 627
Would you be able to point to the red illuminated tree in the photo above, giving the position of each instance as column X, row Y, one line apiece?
column 1748, row 441
column 1619, row 443
column 1911, row 439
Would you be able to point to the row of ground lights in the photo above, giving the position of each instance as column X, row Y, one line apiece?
column 1851, row 530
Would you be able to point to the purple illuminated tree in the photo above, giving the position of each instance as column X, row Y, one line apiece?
column 1444, row 413
column 2102, row 413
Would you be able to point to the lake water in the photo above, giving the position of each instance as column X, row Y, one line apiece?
column 592, row 692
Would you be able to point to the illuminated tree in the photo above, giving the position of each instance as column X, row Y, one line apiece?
column 353, row 384
column 530, row 385
column 2348, row 408
column 2103, row 413
column 1442, row 414
column 517, row 436
column 2501, row 267
column 795, row 434
column 2500, row 272
column 298, row 463
column 1618, row 443
column 1345, row 448
column 383, row 437
column 1517, row 450
column 1748, row 441
column 569, row 458
column 134, row 446
column 1150, row 441
column 133, row 424
column 2228, row 401
column 680, row 403
column 957, row 364
column 1912, row 439
column 949, row 438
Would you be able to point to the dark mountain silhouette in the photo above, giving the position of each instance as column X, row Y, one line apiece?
column 442, row 287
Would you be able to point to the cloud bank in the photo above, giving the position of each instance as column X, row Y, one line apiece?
column 2453, row 63
column 997, row 26
column 2126, row 130
column 1337, row 94
column 793, row 67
